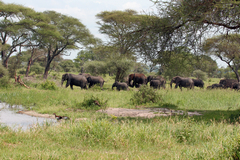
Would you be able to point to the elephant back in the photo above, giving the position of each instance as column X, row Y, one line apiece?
column 228, row 83
column 85, row 74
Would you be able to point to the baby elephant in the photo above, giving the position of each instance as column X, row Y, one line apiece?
column 120, row 86
column 155, row 84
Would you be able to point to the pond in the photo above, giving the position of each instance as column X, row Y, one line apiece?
column 10, row 117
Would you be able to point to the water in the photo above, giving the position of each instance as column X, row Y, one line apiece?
column 9, row 117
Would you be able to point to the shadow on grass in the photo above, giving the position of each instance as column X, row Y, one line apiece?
column 208, row 116
column 165, row 105
column 229, row 116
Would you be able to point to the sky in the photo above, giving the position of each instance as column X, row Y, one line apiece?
column 86, row 10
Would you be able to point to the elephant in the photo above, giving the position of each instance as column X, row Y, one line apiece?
column 198, row 83
column 138, row 80
column 120, row 85
column 161, row 79
column 77, row 80
column 228, row 83
column 182, row 82
column 215, row 86
column 92, row 80
column 155, row 83
column 85, row 74
column 236, row 86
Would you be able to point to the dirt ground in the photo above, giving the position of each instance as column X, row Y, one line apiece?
column 123, row 112
column 145, row 112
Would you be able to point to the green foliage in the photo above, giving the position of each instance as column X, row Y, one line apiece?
column 5, row 82
column 37, row 68
column 145, row 95
column 4, row 78
column 177, row 63
column 200, row 75
column 120, row 67
column 49, row 85
column 68, row 66
column 92, row 103
column 3, row 71
column 96, row 67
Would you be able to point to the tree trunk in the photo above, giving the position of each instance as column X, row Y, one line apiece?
column 28, row 67
column 118, row 75
column 5, row 63
column 47, row 68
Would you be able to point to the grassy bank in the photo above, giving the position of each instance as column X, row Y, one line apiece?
column 214, row 135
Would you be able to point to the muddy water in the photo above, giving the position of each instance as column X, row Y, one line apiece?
column 14, row 120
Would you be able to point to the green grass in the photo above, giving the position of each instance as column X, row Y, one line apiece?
column 214, row 135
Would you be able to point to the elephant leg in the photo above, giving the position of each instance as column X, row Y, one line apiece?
column 71, row 86
column 67, row 84
column 176, row 85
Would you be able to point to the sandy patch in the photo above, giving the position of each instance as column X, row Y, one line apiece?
column 35, row 114
column 146, row 112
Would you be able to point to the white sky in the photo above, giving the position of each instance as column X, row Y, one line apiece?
column 85, row 11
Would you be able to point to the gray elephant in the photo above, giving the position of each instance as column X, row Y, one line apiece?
column 198, row 83
column 155, row 84
column 228, row 83
column 120, row 85
column 92, row 80
column 215, row 86
column 85, row 74
column 161, row 79
column 236, row 86
column 182, row 82
column 72, row 79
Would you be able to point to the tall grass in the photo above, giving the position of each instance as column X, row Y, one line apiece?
column 158, row 138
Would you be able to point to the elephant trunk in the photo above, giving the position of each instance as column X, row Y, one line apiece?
column 62, row 82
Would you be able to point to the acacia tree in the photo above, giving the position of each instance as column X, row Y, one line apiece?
column 226, row 48
column 185, row 23
column 70, row 34
column 16, row 23
column 119, row 26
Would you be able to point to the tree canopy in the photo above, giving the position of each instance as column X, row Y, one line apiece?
column 227, row 48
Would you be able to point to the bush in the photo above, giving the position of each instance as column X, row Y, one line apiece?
column 92, row 103
column 4, row 77
column 49, row 85
column 200, row 75
column 145, row 95
column 37, row 68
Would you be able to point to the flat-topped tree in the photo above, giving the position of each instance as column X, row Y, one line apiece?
column 72, row 35
column 17, row 25
column 120, row 27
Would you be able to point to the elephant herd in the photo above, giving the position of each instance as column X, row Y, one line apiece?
column 226, row 83
column 86, row 81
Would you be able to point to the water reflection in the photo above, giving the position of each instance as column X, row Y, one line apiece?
column 10, row 117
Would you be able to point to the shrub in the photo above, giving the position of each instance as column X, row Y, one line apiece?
column 49, row 85
column 200, row 75
column 92, row 103
column 37, row 68
column 145, row 95
column 4, row 77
